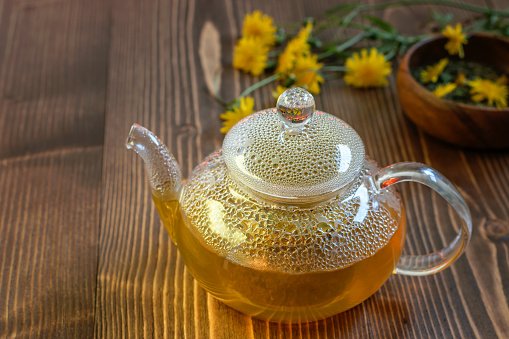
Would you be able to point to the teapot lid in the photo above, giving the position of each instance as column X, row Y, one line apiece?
column 293, row 154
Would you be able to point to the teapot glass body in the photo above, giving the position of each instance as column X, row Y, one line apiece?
column 279, row 263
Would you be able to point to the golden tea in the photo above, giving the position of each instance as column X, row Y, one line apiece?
column 280, row 263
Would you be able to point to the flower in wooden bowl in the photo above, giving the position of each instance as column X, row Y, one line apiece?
column 473, row 126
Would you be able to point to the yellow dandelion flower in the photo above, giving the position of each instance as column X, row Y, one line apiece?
column 494, row 92
column 285, row 62
column 239, row 112
column 299, row 45
column 444, row 89
column 461, row 79
column 278, row 91
column 295, row 47
column 367, row 70
column 250, row 56
column 456, row 40
column 306, row 73
column 305, row 32
column 431, row 73
column 259, row 26
column 502, row 80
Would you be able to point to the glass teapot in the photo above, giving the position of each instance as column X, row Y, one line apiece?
column 290, row 221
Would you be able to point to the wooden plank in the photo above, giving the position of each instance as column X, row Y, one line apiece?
column 443, row 305
column 142, row 285
column 459, row 297
column 52, row 82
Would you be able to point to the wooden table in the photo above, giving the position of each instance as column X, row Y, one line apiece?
column 82, row 249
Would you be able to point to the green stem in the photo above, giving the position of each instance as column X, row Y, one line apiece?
column 345, row 21
column 347, row 44
column 386, row 36
column 215, row 87
column 272, row 54
column 259, row 84
column 221, row 101
column 390, row 55
column 448, row 3
column 320, row 27
column 468, row 7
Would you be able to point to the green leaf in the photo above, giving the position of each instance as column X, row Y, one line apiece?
column 493, row 20
column 289, row 81
column 384, row 49
column 479, row 25
column 446, row 77
column 271, row 64
column 389, row 55
column 280, row 35
column 460, row 92
column 505, row 31
column 314, row 42
column 341, row 8
column 308, row 20
column 347, row 19
column 382, row 24
column 442, row 19
column 350, row 42
column 342, row 55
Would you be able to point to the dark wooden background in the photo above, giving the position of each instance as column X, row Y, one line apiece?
column 82, row 250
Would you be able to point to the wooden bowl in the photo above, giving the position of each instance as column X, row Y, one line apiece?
column 460, row 124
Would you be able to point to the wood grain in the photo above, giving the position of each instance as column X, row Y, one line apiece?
column 52, row 97
column 404, row 307
column 83, row 252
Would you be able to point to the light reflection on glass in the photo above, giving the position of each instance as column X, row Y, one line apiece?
column 362, row 194
column 345, row 155
column 216, row 212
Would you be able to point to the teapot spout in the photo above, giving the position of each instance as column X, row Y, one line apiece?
column 164, row 173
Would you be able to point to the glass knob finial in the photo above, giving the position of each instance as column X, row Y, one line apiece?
column 295, row 106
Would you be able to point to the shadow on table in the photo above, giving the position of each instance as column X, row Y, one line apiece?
column 378, row 316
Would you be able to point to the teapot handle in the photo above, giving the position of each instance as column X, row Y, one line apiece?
column 434, row 262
